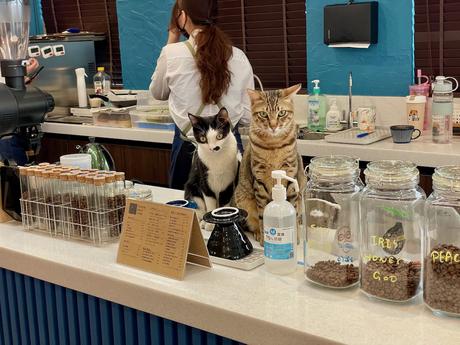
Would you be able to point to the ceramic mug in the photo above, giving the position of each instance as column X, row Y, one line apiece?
column 404, row 134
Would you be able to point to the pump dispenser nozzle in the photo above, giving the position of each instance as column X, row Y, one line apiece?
column 279, row 191
column 316, row 88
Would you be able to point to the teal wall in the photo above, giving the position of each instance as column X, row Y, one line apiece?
column 384, row 69
column 143, row 28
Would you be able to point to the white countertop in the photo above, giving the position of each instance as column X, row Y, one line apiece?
column 252, row 307
column 135, row 134
column 421, row 151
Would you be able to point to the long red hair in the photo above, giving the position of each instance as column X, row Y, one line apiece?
column 214, row 48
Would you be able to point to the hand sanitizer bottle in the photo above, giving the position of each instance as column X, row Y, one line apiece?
column 333, row 118
column 280, row 229
column 317, row 109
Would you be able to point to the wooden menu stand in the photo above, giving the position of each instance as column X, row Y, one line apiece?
column 161, row 239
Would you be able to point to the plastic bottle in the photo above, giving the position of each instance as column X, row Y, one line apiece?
column 317, row 109
column 101, row 82
column 81, row 87
column 333, row 118
column 442, row 110
column 280, row 229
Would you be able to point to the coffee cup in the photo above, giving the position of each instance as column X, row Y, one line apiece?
column 416, row 111
column 404, row 134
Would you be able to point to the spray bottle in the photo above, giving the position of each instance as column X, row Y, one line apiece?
column 280, row 228
column 81, row 88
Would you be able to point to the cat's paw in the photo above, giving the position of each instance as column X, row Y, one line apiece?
column 259, row 238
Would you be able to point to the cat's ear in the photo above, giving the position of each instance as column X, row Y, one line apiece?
column 254, row 95
column 223, row 116
column 194, row 120
column 291, row 91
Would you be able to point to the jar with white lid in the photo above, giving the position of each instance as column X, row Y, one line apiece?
column 441, row 274
column 392, row 223
column 331, row 201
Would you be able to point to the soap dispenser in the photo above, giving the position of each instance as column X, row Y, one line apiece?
column 333, row 118
column 317, row 109
column 280, row 228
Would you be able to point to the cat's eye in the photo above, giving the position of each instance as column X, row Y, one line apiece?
column 202, row 139
column 220, row 136
column 263, row 114
column 282, row 113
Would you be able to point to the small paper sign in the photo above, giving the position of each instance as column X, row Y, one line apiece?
column 161, row 239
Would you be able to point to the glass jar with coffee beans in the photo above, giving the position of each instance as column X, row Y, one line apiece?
column 332, row 216
column 441, row 275
column 392, row 222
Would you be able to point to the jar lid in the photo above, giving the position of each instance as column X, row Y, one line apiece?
column 120, row 176
column 23, row 171
column 71, row 177
column 30, row 172
column 89, row 179
column 391, row 173
column 65, row 176
column 447, row 178
column 109, row 178
column 334, row 168
column 99, row 180
column 81, row 178
column 55, row 173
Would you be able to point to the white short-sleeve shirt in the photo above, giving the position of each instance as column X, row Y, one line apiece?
column 177, row 79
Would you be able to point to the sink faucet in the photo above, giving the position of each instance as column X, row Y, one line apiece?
column 348, row 121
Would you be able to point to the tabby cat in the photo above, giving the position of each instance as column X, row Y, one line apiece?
column 214, row 170
column 272, row 146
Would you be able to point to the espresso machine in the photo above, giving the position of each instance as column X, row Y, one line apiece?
column 22, row 108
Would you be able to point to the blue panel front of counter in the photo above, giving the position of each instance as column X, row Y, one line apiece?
column 36, row 312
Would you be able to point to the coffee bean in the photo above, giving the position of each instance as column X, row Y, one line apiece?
column 390, row 279
column 333, row 274
column 442, row 280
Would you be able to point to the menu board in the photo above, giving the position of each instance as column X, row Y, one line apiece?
column 161, row 239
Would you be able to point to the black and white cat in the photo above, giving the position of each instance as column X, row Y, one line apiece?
column 214, row 171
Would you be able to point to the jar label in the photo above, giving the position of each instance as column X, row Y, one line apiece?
column 445, row 256
column 279, row 243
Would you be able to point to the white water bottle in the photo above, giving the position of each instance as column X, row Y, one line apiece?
column 443, row 109
column 280, row 229
column 81, row 88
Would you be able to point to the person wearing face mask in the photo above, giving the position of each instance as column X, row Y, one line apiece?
column 11, row 147
column 199, row 76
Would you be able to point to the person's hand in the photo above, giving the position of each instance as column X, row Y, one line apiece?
column 173, row 35
column 32, row 65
